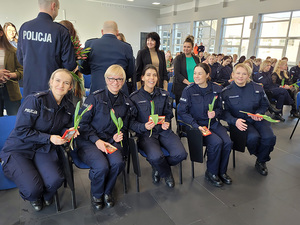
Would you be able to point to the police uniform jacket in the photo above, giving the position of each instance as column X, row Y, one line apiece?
column 38, row 118
column 144, row 58
column 43, row 47
column 223, row 73
column 266, row 79
column 194, row 103
column 142, row 110
column 106, row 51
column 180, row 73
column 11, row 63
column 213, row 73
column 277, row 80
column 97, row 124
column 250, row 98
column 295, row 73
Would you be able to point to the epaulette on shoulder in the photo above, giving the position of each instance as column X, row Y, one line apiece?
column 191, row 85
column 98, row 91
column 163, row 92
column 133, row 93
column 62, row 26
column 39, row 94
column 227, row 87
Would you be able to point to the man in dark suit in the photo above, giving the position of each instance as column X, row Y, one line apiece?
column 106, row 51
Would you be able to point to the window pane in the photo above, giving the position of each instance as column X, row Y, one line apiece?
column 211, row 46
column 271, row 42
column 276, row 16
column 292, row 51
column 274, row 29
column 213, row 28
column 273, row 52
column 295, row 25
column 234, row 20
column 204, row 32
column 230, row 50
column 244, row 49
column 247, row 30
column 233, row 31
column 231, row 41
column 207, row 23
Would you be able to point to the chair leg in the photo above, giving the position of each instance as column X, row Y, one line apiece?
column 180, row 172
column 137, row 183
column 128, row 163
column 193, row 174
column 57, row 203
column 294, row 128
column 233, row 158
column 124, row 182
column 205, row 153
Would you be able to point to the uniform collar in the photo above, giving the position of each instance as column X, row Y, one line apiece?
column 45, row 16
column 118, row 100
column 109, row 35
column 147, row 94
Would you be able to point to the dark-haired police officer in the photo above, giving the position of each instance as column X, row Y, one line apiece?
column 98, row 129
column 194, row 110
column 43, row 47
column 29, row 156
column 243, row 94
column 161, row 134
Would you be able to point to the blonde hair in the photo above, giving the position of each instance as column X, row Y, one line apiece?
column 115, row 70
column 60, row 71
column 249, row 61
column 277, row 69
column 264, row 64
column 246, row 67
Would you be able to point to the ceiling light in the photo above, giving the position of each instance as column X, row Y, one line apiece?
column 155, row 3
column 130, row 0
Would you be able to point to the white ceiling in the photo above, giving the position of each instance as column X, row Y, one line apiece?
column 143, row 3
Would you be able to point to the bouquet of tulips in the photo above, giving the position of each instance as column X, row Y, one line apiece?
column 77, row 118
column 118, row 122
column 81, row 53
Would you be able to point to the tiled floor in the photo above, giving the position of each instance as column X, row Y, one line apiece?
column 251, row 200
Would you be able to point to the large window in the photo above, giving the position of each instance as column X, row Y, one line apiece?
column 181, row 31
column 235, row 35
column 279, row 36
column 205, row 32
column 164, row 32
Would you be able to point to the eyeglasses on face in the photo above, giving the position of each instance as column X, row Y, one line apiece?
column 111, row 79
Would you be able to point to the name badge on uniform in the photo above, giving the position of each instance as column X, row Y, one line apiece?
column 257, row 92
column 235, row 96
column 183, row 99
column 195, row 94
column 260, row 78
column 142, row 101
column 32, row 111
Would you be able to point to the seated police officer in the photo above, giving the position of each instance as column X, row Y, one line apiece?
column 29, row 156
column 245, row 95
column 194, row 110
column 152, row 137
column 98, row 130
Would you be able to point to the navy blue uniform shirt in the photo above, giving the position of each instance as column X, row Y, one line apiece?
column 97, row 124
column 194, row 103
column 266, row 79
column 142, row 110
column 43, row 47
column 250, row 98
column 295, row 73
column 223, row 73
column 38, row 118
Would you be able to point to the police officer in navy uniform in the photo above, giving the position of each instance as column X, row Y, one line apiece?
column 97, row 129
column 224, row 71
column 243, row 94
column 43, row 47
column 161, row 135
column 193, row 109
column 280, row 94
column 29, row 156
column 295, row 72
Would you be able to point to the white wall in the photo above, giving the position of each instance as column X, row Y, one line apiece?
column 88, row 17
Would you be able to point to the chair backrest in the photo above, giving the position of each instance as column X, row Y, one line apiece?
column 21, row 90
column 87, row 81
column 195, row 143
column 298, row 100
column 7, row 124
column 170, row 85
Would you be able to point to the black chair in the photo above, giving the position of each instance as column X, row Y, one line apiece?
column 134, row 152
column 297, row 105
column 239, row 139
column 70, row 158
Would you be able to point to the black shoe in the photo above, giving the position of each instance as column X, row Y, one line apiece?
column 294, row 113
column 48, row 202
column 273, row 109
column 225, row 178
column 155, row 176
column 170, row 181
column 109, row 201
column 97, row 203
column 261, row 168
column 278, row 117
column 213, row 179
column 37, row 205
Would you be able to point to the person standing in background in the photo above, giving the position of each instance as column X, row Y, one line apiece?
column 201, row 48
column 106, row 51
column 43, row 47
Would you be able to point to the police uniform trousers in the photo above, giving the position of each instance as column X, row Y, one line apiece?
column 104, row 168
column 282, row 97
column 152, row 147
column 36, row 177
column 260, row 140
column 218, row 149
